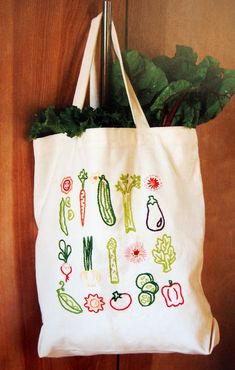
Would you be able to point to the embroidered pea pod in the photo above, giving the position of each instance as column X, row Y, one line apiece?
column 155, row 220
column 104, row 202
column 68, row 302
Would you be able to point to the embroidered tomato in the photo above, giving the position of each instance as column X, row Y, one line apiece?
column 66, row 185
column 172, row 294
column 120, row 301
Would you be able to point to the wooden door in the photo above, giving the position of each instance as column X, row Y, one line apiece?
column 42, row 42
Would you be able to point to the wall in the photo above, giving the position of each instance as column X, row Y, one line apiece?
column 41, row 48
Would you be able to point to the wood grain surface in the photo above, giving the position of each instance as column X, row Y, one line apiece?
column 42, row 42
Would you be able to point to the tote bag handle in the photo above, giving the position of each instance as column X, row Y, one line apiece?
column 85, row 72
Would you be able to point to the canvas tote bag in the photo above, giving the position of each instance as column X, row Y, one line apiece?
column 119, row 251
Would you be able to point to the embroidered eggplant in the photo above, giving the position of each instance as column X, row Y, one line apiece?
column 68, row 302
column 104, row 202
column 155, row 220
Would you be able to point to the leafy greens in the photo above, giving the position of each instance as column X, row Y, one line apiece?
column 173, row 91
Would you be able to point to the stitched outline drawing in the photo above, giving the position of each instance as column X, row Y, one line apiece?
column 65, row 251
column 152, row 182
column 120, row 301
column 66, row 184
column 155, row 220
column 164, row 253
column 67, row 301
column 64, row 204
column 104, row 202
column 90, row 275
column 125, row 185
column 172, row 294
column 112, row 258
column 136, row 252
column 149, row 288
column 83, row 176
column 94, row 303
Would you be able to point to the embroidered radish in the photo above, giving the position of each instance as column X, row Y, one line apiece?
column 65, row 251
column 155, row 220
column 90, row 275
column 172, row 294
column 120, row 301
column 82, row 195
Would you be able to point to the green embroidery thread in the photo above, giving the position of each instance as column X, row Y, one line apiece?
column 62, row 217
column 125, row 185
column 82, row 195
column 149, row 288
column 104, row 202
column 112, row 257
column 68, row 302
column 164, row 253
column 90, row 275
column 65, row 251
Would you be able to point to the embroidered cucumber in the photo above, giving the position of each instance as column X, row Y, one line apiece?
column 104, row 202
column 146, row 298
column 151, row 287
column 68, row 302
column 142, row 279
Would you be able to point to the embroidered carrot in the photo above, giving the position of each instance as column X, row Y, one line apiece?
column 82, row 195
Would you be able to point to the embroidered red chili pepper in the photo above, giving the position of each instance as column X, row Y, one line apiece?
column 172, row 294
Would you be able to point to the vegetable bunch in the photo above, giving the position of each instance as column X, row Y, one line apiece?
column 173, row 91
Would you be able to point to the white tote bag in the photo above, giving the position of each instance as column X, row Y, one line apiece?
column 119, row 252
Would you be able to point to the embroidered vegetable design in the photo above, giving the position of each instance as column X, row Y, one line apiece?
column 66, row 185
column 90, row 275
column 104, row 202
column 125, row 185
column 68, row 302
column 172, row 294
column 149, row 288
column 94, row 303
column 136, row 253
column 64, row 204
column 120, row 301
column 113, row 269
column 164, row 253
column 65, row 251
column 152, row 183
column 155, row 220
column 82, row 195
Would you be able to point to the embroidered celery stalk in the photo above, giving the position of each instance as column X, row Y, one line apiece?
column 125, row 185
column 164, row 253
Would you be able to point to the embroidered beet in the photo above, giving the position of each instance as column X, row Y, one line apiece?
column 155, row 220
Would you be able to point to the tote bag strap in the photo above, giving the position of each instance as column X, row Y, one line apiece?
column 85, row 72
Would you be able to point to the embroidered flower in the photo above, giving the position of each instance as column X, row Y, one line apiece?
column 152, row 182
column 136, row 252
column 66, row 185
column 94, row 303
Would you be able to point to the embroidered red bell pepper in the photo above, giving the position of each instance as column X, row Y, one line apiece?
column 172, row 294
